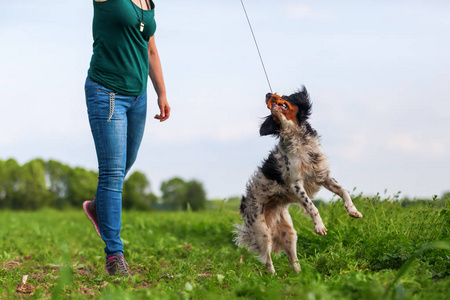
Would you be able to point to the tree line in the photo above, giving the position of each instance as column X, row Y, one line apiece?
column 38, row 184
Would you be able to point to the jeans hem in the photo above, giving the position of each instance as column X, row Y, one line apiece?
column 113, row 254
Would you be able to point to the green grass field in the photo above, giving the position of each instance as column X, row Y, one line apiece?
column 394, row 252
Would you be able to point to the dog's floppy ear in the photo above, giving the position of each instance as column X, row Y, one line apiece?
column 303, row 102
column 269, row 126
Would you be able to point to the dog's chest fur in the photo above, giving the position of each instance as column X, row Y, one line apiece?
column 298, row 156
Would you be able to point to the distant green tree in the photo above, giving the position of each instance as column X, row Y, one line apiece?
column 195, row 195
column 32, row 192
column 39, row 184
column 174, row 193
column 9, row 178
column 136, row 192
column 57, row 175
column 82, row 185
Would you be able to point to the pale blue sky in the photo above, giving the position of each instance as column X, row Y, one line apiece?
column 378, row 73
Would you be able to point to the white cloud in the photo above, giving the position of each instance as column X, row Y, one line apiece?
column 356, row 147
column 419, row 145
column 300, row 11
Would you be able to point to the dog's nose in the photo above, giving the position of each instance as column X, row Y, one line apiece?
column 268, row 96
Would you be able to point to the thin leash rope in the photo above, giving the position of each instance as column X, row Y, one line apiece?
column 257, row 48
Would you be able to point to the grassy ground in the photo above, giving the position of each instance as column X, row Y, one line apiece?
column 391, row 253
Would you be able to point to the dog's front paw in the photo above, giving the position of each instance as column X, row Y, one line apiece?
column 320, row 229
column 353, row 212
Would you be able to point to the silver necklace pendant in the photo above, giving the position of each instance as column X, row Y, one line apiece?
column 141, row 27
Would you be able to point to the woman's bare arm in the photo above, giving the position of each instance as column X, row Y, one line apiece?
column 156, row 75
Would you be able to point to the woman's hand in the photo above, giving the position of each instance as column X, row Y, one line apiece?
column 164, row 109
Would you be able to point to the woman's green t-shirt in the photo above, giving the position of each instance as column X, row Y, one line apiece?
column 120, row 54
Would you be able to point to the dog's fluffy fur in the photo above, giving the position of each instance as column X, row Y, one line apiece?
column 292, row 174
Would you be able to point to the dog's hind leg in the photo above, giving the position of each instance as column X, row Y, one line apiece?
column 287, row 237
column 257, row 236
column 262, row 244
column 291, row 252
column 332, row 185
column 267, row 260
column 258, row 241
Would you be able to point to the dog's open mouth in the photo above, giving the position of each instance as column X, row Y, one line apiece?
column 283, row 106
column 276, row 100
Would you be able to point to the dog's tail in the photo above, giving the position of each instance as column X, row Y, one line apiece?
column 242, row 232
column 242, row 235
column 237, row 232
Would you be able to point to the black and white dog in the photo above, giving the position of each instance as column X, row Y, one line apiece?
column 292, row 174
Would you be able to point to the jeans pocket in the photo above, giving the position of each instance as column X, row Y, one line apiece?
column 100, row 89
column 100, row 104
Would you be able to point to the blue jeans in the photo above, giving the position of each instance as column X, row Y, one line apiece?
column 117, row 125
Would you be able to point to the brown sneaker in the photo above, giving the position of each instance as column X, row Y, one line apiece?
column 117, row 263
column 90, row 211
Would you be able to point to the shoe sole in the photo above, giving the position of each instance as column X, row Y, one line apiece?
column 91, row 218
column 106, row 270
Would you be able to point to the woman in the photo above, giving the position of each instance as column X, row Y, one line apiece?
column 124, row 55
